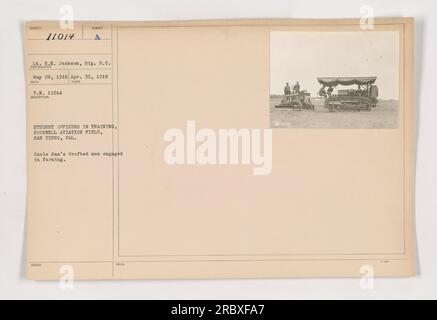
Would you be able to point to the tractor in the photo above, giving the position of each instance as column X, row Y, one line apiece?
column 296, row 101
column 363, row 97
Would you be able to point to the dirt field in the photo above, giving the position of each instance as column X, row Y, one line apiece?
column 384, row 115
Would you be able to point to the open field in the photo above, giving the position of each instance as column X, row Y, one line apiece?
column 384, row 115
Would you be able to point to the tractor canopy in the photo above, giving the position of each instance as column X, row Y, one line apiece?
column 346, row 81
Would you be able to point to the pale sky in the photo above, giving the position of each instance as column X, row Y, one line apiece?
column 306, row 56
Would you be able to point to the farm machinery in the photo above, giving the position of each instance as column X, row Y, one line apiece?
column 363, row 97
column 298, row 100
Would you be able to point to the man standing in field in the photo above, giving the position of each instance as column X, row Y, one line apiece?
column 287, row 89
column 296, row 87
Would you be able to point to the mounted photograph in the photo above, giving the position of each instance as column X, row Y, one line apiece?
column 334, row 79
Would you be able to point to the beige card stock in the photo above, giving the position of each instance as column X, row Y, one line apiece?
column 177, row 149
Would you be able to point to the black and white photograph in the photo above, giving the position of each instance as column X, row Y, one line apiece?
column 334, row 79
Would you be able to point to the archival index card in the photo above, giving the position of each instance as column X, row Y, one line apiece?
column 220, row 149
